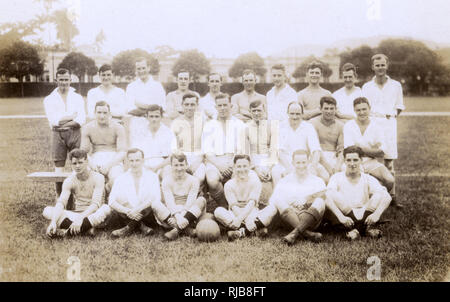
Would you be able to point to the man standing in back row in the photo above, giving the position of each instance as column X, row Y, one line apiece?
column 65, row 113
column 386, row 99
column 242, row 100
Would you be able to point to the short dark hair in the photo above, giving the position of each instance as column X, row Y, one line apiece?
column 135, row 150
column 299, row 152
column 183, row 71
column 294, row 102
column 222, row 96
column 348, row 67
column 361, row 100
column 214, row 73
column 63, row 71
column 241, row 156
column 255, row 103
column 327, row 100
column 189, row 95
column 141, row 59
column 78, row 154
column 104, row 67
column 379, row 56
column 353, row 149
column 154, row 107
column 249, row 71
column 315, row 64
column 279, row 67
column 180, row 156
column 101, row 103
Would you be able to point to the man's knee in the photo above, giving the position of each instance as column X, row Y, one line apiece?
column 223, row 216
column 212, row 177
column 319, row 205
column 48, row 212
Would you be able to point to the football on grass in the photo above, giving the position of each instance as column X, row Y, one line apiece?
column 207, row 230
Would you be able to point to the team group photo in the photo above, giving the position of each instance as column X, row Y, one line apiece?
column 331, row 168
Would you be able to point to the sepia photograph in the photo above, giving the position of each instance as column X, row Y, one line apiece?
column 205, row 141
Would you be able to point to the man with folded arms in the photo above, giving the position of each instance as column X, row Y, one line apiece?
column 65, row 113
column 355, row 199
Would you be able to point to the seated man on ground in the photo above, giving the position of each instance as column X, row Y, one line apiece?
column 331, row 136
column 156, row 140
column 87, row 188
column 133, row 195
column 188, row 129
column 355, row 199
column 106, row 139
column 242, row 193
column 366, row 133
column 262, row 137
column 182, row 207
column 299, row 199
column 222, row 138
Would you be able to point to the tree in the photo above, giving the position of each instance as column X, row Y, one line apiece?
column 193, row 61
column 66, row 28
column 19, row 60
column 79, row 64
column 124, row 63
column 249, row 60
column 412, row 61
column 360, row 57
column 301, row 70
column 164, row 51
column 100, row 40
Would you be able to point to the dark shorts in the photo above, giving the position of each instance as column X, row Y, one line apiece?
column 63, row 142
column 358, row 224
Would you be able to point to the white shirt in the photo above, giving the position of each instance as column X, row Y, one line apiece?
column 56, row 108
column 373, row 136
column 384, row 101
column 304, row 137
column 207, row 105
column 123, row 191
column 148, row 93
column 189, row 136
column 356, row 195
column 224, row 138
column 155, row 145
column 277, row 103
column 345, row 101
column 290, row 190
column 115, row 98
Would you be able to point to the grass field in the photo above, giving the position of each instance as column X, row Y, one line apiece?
column 415, row 246
column 34, row 106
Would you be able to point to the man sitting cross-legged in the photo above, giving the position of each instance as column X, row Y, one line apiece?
column 299, row 198
column 107, row 140
column 242, row 193
column 355, row 199
column 133, row 194
column 182, row 206
column 87, row 188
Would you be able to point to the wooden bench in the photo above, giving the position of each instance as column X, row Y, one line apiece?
column 49, row 176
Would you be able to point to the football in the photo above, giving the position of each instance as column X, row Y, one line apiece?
column 207, row 230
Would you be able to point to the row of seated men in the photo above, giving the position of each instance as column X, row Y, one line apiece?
column 352, row 199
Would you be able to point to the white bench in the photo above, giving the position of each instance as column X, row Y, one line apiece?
column 49, row 176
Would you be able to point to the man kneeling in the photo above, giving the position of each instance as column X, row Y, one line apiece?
column 182, row 206
column 242, row 193
column 133, row 194
column 298, row 197
column 87, row 188
column 354, row 199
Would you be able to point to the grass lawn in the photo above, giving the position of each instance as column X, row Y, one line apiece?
column 34, row 106
column 414, row 248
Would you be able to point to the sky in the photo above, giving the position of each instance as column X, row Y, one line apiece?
column 228, row 28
